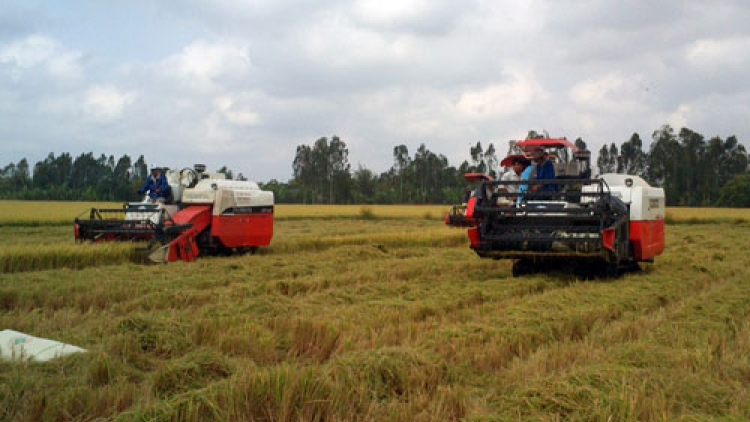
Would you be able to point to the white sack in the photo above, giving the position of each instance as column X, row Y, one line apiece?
column 15, row 345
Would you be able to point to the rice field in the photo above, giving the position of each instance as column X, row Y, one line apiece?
column 30, row 213
column 375, row 315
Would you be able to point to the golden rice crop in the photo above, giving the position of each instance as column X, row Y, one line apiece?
column 46, row 212
column 20, row 258
column 286, row 211
column 432, row 237
column 408, row 326
column 61, row 213
column 707, row 215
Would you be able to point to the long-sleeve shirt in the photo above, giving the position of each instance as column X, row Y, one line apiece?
column 157, row 187
column 511, row 176
column 546, row 171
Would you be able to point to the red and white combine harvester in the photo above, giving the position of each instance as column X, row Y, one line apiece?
column 606, row 224
column 206, row 214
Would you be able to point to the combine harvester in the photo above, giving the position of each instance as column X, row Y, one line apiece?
column 207, row 214
column 586, row 225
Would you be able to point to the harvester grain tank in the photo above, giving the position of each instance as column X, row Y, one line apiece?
column 608, row 223
column 206, row 214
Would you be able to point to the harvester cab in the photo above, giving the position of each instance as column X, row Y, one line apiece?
column 205, row 214
column 603, row 224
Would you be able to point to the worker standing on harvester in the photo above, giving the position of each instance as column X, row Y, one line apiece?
column 156, row 185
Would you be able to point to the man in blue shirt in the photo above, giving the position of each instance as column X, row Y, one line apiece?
column 545, row 170
column 156, row 185
column 529, row 173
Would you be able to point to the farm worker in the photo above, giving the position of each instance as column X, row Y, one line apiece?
column 518, row 165
column 529, row 173
column 156, row 185
column 545, row 170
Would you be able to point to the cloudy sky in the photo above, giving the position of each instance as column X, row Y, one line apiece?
column 242, row 83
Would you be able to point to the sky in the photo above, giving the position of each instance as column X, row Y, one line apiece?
column 243, row 83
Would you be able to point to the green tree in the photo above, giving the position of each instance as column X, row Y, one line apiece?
column 401, row 162
column 324, row 167
column 477, row 157
column 605, row 163
column 338, row 170
column 633, row 158
column 365, row 184
column 690, row 172
column 21, row 179
column 736, row 193
column 663, row 163
column 303, row 170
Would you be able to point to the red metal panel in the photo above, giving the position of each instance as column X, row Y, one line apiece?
column 608, row 239
column 470, row 207
column 185, row 247
column 475, row 177
column 243, row 230
column 474, row 237
column 192, row 214
column 647, row 238
column 552, row 142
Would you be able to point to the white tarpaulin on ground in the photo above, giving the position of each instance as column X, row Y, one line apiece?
column 15, row 345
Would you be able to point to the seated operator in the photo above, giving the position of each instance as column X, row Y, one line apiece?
column 156, row 185
column 514, row 174
column 545, row 170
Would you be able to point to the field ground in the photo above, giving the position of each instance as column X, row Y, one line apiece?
column 369, row 316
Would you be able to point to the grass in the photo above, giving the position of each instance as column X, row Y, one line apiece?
column 379, row 319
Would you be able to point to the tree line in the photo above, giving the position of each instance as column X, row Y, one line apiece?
column 83, row 178
column 63, row 177
column 693, row 170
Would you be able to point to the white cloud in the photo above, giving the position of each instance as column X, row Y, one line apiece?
column 203, row 65
column 41, row 52
column 681, row 117
column 105, row 103
column 719, row 54
column 387, row 12
column 508, row 17
column 610, row 93
column 336, row 42
column 500, row 100
column 417, row 17
column 234, row 113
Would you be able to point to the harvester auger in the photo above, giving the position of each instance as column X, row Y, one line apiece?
column 208, row 215
column 590, row 225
